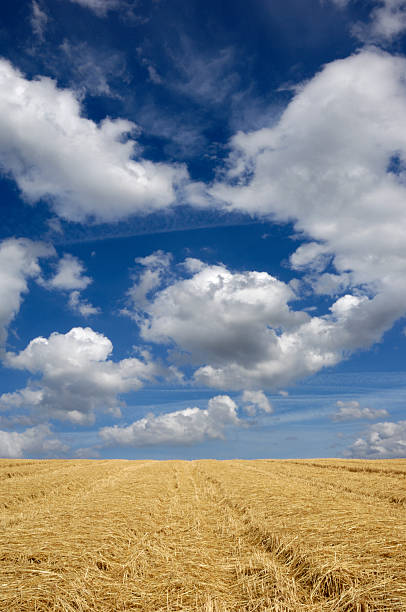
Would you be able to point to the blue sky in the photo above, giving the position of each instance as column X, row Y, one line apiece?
column 202, row 238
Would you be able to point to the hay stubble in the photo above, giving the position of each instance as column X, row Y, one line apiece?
column 205, row 535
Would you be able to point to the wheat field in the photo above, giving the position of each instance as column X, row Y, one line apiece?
column 213, row 536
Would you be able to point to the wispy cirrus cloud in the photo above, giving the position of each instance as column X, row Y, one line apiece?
column 39, row 19
column 102, row 7
column 97, row 71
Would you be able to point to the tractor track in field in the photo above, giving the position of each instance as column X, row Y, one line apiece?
column 319, row 590
column 257, row 579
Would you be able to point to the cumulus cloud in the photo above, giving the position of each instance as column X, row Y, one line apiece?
column 335, row 165
column 256, row 401
column 69, row 274
column 188, row 426
column 76, row 376
column 351, row 410
column 239, row 329
column 36, row 441
column 381, row 440
column 85, row 170
column 18, row 263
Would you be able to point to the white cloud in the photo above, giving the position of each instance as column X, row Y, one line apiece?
column 387, row 21
column 83, row 307
column 18, row 263
column 85, row 170
column 18, row 399
column 188, row 426
column 39, row 19
column 335, row 165
column 238, row 329
column 351, row 410
column 254, row 401
column 69, row 274
column 34, row 441
column 156, row 267
column 101, row 7
column 382, row 440
column 325, row 166
column 218, row 317
column 77, row 378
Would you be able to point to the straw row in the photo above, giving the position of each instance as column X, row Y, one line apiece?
column 202, row 536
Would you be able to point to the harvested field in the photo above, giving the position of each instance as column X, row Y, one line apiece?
column 213, row 536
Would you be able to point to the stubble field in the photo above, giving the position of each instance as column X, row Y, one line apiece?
column 310, row 535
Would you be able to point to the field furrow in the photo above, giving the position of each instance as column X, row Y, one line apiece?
column 353, row 552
